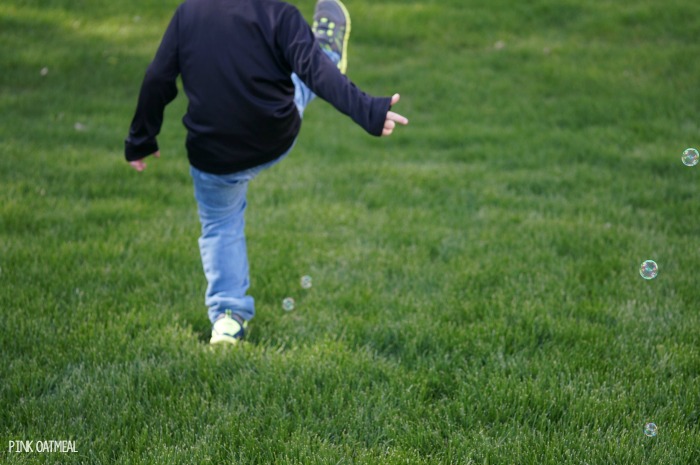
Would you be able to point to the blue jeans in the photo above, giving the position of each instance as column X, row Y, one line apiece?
column 221, row 203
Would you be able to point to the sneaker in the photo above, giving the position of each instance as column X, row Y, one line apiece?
column 332, row 29
column 228, row 329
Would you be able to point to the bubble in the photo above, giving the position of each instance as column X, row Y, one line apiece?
column 650, row 429
column 288, row 304
column 649, row 269
column 79, row 127
column 690, row 157
column 44, row 71
column 306, row 282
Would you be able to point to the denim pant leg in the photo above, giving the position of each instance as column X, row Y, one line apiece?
column 221, row 203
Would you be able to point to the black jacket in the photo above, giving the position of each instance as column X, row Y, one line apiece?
column 236, row 58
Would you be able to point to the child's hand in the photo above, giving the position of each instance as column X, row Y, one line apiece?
column 140, row 165
column 393, row 118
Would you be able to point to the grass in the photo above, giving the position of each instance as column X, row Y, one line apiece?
column 476, row 293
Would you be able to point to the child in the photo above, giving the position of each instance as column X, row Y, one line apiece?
column 249, row 69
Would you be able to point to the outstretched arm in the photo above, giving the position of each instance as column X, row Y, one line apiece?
column 157, row 90
column 393, row 118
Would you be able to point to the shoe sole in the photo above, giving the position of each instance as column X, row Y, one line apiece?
column 222, row 339
column 343, row 65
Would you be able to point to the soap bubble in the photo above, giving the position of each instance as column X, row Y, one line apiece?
column 690, row 157
column 650, row 429
column 288, row 304
column 306, row 282
column 649, row 269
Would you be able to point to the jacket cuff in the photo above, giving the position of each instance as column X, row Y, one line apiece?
column 137, row 152
column 382, row 107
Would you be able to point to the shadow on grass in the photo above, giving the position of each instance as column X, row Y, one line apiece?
column 69, row 78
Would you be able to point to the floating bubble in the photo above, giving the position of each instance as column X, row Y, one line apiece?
column 690, row 157
column 306, row 282
column 79, row 127
column 44, row 71
column 649, row 269
column 650, row 429
column 288, row 304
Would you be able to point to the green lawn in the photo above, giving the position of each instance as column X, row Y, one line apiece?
column 476, row 293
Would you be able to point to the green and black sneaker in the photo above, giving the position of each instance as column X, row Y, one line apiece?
column 228, row 329
column 332, row 29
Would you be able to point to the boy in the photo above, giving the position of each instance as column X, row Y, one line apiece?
column 249, row 69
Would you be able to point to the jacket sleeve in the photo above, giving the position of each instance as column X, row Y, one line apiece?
column 312, row 65
column 158, row 88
